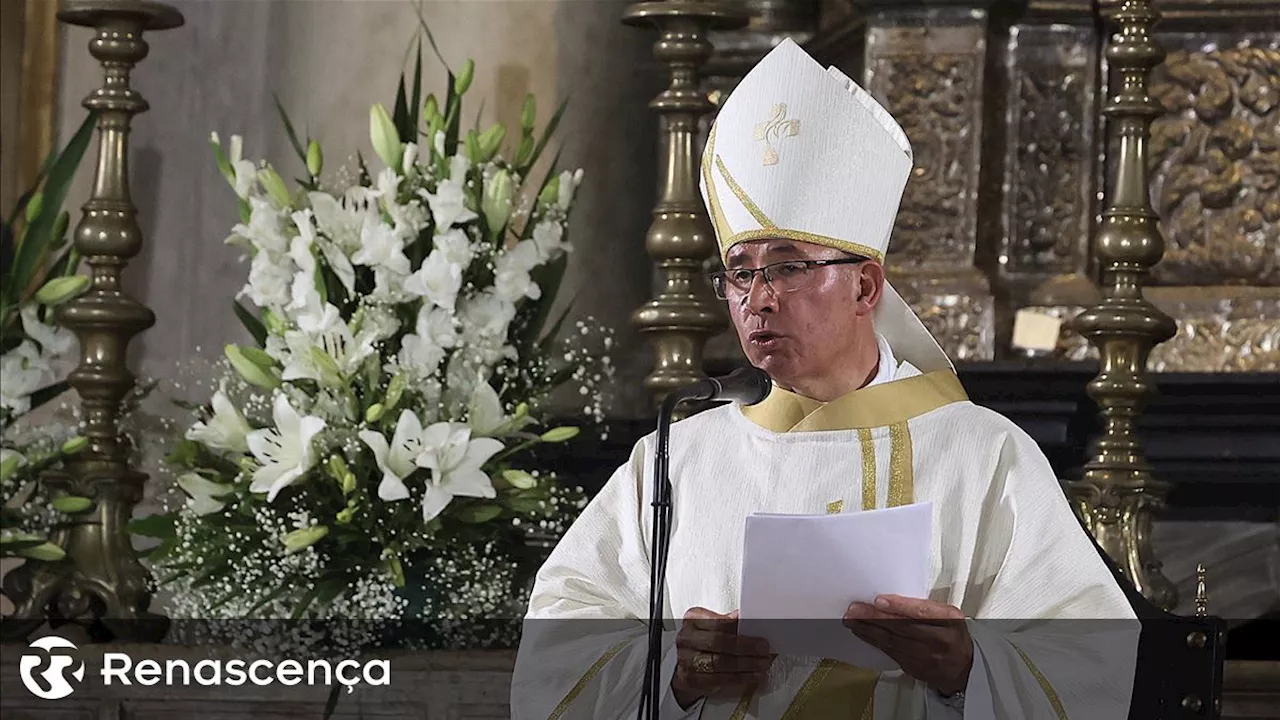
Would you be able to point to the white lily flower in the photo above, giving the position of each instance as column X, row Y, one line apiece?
column 454, row 246
column 512, row 281
column 484, row 412
column 338, row 223
column 459, row 166
column 285, row 451
column 438, row 280
column 397, row 459
column 547, row 235
column 389, row 287
column 266, row 227
column 434, row 333
column 568, row 184
column 23, row 369
column 203, row 493
column 380, row 247
column 269, row 280
column 246, row 175
column 455, row 461
column 408, row 164
column 448, row 205
column 226, row 430
column 486, row 314
column 54, row 340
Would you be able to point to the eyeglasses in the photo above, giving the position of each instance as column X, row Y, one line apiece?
column 781, row 277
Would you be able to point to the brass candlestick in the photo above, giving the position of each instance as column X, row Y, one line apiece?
column 684, row 314
column 101, row 583
column 1117, row 491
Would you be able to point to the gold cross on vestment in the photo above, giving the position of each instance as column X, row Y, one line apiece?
column 775, row 128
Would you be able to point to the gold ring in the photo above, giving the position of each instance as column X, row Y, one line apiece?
column 703, row 662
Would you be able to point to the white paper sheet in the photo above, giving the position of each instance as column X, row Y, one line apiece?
column 801, row 572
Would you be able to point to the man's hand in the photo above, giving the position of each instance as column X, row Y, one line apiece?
column 928, row 639
column 713, row 660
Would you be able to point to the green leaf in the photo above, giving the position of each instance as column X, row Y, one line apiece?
column 33, row 244
column 305, row 602
column 48, row 552
column 422, row 22
column 400, row 115
column 45, row 394
column 251, row 323
column 546, row 135
column 331, row 704
column 479, row 513
column 72, row 504
column 288, row 128
column 162, row 527
column 548, row 278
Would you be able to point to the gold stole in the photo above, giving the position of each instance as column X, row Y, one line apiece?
column 835, row 689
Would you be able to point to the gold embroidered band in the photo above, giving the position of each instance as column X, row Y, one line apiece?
column 586, row 678
column 1049, row 692
column 869, row 479
column 901, row 476
column 834, row 690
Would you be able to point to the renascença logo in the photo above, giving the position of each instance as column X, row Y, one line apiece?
column 120, row 668
column 55, row 685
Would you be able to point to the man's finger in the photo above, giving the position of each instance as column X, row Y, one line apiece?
column 705, row 619
column 918, row 608
column 711, row 641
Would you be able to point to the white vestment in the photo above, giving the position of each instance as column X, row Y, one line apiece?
column 1007, row 550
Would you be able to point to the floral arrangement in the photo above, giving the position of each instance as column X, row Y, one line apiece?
column 374, row 455
column 37, row 273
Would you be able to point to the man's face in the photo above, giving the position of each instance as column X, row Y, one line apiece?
column 812, row 317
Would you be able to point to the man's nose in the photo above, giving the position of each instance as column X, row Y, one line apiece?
column 760, row 297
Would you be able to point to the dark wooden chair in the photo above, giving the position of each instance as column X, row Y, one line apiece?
column 1180, row 658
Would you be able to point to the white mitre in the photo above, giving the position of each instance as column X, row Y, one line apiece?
column 803, row 153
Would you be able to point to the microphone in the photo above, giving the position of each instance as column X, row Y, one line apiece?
column 748, row 386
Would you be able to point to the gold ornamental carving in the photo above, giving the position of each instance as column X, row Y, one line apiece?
column 1216, row 166
column 932, row 96
column 1050, row 147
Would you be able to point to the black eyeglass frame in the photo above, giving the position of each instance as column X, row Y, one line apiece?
column 719, row 277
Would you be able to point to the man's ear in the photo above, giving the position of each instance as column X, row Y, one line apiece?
column 870, row 287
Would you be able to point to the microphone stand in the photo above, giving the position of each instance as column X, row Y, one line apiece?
column 661, row 543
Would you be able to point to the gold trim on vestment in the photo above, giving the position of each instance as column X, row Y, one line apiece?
column 761, row 219
column 869, row 478
column 586, row 678
column 869, row 407
column 834, row 507
column 835, row 690
column 1049, row 692
column 798, row 236
column 902, row 489
column 744, row 703
column 718, row 222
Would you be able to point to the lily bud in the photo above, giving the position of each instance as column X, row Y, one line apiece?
column 551, row 193
column 528, row 113
column 519, row 479
column 396, row 569
column 75, row 445
column 274, row 324
column 71, row 504
column 395, row 389
column 247, row 464
column 348, row 483
column 60, row 229
column 374, row 413
column 62, row 289
column 560, row 434
column 338, row 467
column 490, row 142
column 525, row 149
column 473, row 147
column 224, row 165
column 345, row 516
column 299, row 540
column 465, row 77
column 10, row 460
column 252, row 373
column 258, row 356
column 275, row 187
column 496, row 203
column 47, row 552
column 330, row 373
column 315, row 159
column 34, row 206
column 386, row 140
column 432, row 109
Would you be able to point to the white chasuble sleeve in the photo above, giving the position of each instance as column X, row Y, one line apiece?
column 585, row 640
column 1056, row 634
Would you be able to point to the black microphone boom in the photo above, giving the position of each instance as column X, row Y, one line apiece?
column 748, row 386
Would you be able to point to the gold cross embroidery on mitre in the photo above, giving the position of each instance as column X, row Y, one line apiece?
column 775, row 128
